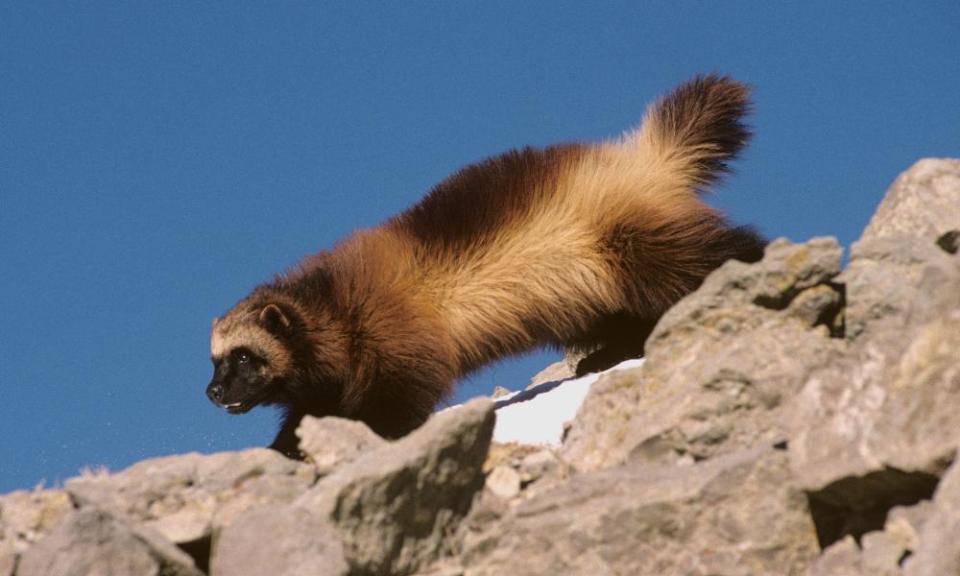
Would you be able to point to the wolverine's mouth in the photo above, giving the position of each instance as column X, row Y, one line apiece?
column 237, row 407
column 240, row 400
column 247, row 404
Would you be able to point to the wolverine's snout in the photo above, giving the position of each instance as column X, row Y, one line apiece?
column 237, row 386
column 215, row 393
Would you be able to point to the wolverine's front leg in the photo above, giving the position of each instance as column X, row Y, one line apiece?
column 286, row 441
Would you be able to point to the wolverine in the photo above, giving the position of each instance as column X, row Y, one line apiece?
column 578, row 246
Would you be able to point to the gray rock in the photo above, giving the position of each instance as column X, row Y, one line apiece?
column 394, row 508
column 186, row 497
column 721, row 364
column 880, row 552
column 938, row 551
column 537, row 465
column 443, row 569
column 904, row 523
column 25, row 518
column 878, row 427
column 286, row 542
column 92, row 542
column 892, row 282
column 840, row 559
column 732, row 515
column 500, row 392
column 890, row 404
column 331, row 442
column 555, row 372
column 397, row 504
column 8, row 563
column 923, row 202
column 504, row 482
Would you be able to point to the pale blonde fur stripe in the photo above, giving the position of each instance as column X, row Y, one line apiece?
column 227, row 337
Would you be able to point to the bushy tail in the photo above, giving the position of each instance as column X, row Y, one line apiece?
column 698, row 127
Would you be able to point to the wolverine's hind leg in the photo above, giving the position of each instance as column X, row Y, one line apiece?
column 681, row 268
column 612, row 340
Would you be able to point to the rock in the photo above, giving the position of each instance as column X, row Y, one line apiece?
column 500, row 392
column 555, row 372
column 881, row 552
column 894, row 281
column 331, row 442
column 904, row 523
column 938, row 550
column 185, row 498
column 443, row 569
column 721, row 364
column 394, row 507
column 398, row 503
column 504, row 482
column 265, row 542
column 840, row 559
column 27, row 516
column 537, row 465
column 92, row 542
column 509, row 453
column 734, row 514
column 8, row 563
column 923, row 202
column 540, row 416
column 878, row 428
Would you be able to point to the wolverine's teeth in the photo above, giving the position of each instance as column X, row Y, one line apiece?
column 234, row 405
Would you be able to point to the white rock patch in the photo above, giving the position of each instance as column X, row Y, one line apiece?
column 537, row 416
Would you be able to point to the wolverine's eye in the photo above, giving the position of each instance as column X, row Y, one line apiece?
column 245, row 357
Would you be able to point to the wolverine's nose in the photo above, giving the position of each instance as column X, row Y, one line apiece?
column 215, row 392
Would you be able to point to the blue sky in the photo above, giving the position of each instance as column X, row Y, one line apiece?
column 159, row 159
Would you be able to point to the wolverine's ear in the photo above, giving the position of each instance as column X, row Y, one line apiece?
column 274, row 320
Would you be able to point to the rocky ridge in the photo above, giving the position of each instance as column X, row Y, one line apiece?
column 792, row 417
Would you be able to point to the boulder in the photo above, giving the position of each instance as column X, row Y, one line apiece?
column 92, row 542
column 25, row 518
column 893, row 282
column 878, row 427
column 734, row 514
column 28, row 515
column 556, row 372
column 291, row 543
column 186, row 498
column 938, row 546
column 922, row 202
column 331, row 442
column 879, row 552
column 890, row 404
column 504, row 482
column 390, row 511
column 721, row 365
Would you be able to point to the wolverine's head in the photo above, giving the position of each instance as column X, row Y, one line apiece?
column 252, row 360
